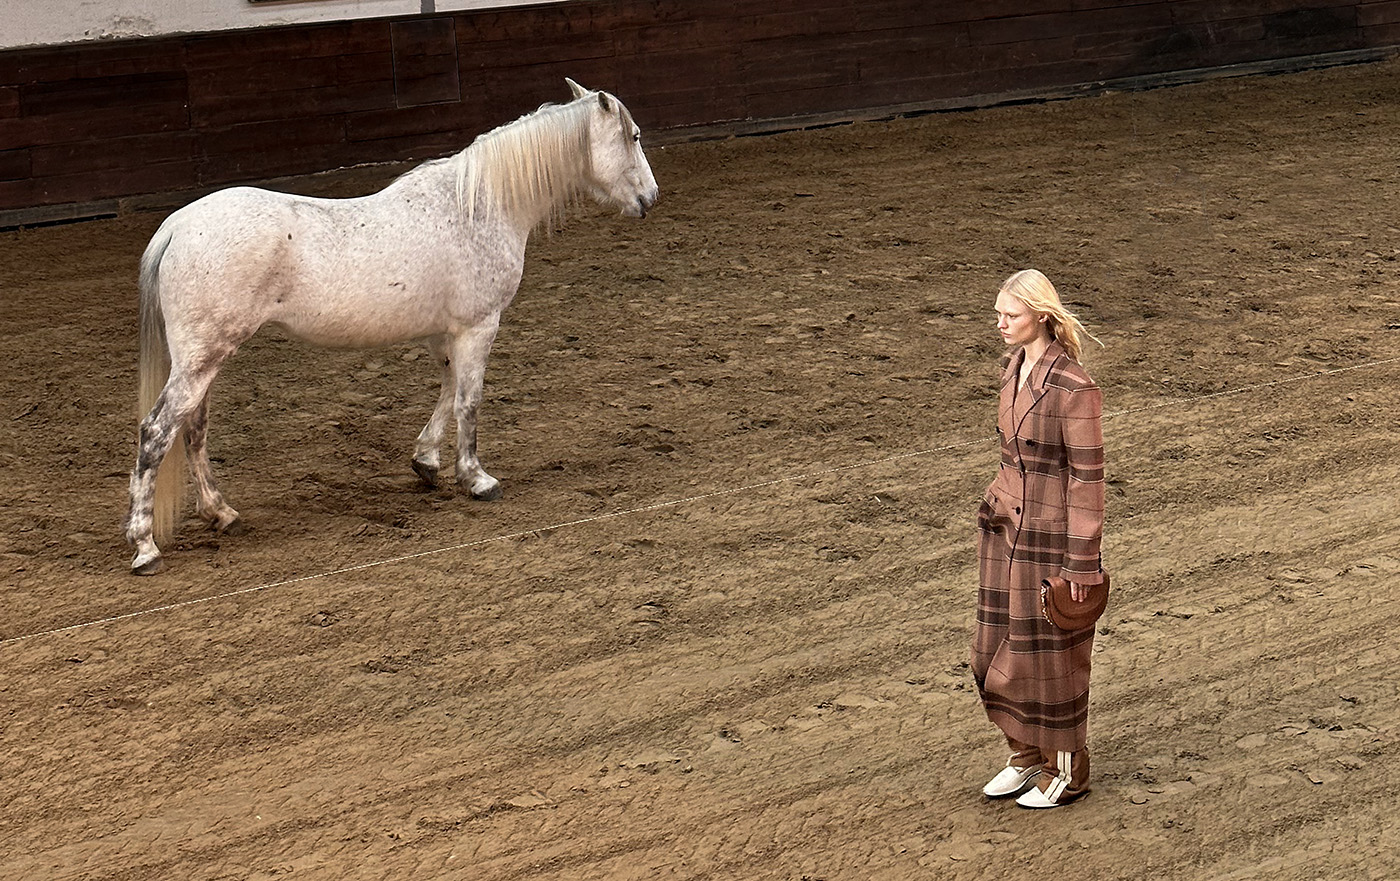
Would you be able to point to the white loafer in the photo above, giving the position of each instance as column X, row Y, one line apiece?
column 1011, row 781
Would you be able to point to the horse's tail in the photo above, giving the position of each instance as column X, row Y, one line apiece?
column 153, row 371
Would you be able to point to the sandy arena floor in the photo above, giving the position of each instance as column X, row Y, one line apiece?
column 718, row 626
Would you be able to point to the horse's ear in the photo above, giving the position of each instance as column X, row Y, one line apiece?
column 579, row 91
column 605, row 101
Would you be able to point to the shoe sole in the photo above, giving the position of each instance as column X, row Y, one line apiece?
column 1065, row 798
column 1015, row 793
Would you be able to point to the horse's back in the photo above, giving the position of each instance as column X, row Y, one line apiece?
column 245, row 210
column 337, row 272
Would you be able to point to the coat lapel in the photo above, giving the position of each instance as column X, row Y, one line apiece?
column 1006, row 420
column 1026, row 399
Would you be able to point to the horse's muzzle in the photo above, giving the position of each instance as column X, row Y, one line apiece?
column 643, row 204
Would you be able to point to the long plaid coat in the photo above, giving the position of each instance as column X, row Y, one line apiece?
column 1042, row 516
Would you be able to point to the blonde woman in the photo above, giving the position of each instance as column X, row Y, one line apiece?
column 1041, row 517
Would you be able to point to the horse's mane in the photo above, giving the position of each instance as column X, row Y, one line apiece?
column 533, row 165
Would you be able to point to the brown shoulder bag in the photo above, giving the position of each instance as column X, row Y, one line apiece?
column 1062, row 611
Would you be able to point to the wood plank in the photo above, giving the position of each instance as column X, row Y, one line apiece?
column 1091, row 5
column 16, row 218
column 696, row 68
column 366, row 36
column 1382, row 34
column 375, row 67
column 525, row 25
column 409, row 148
column 15, row 164
column 80, row 95
column 229, row 49
column 91, row 60
column 92, row 124
column 804, row 62
column 1224, row 34
column 90, row 186
column 283, row 136
column 1306, row 25
column 420, row 83
column 506, row 98
column 1067, row 24
column 255, row 165
column 1206, row 11
column 211, row 84
column 657, row 113
column 994, row 9
column 46, row 64
column 1372, row 14
column 915, row 14
column 380, row 124
column 1120, row 44
column 327, row 102
column 779, row 22
column 681, row 36
column 507, row 55
column 630, row 13
column 927, row 52
column 111, row 154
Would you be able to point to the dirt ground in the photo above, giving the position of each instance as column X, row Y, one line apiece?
column 718, row 626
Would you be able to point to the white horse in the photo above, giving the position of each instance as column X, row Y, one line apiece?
column 436, row 256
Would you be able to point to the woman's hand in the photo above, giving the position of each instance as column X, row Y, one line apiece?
column 1078, row 592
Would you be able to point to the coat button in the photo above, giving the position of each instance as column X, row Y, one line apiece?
column 1018, row 509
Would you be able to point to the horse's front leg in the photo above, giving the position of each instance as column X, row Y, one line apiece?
column 211, row 505
column 427, row 453
column 469, row 353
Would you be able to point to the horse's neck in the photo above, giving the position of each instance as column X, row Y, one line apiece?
column 527, row 170
column 512, row 177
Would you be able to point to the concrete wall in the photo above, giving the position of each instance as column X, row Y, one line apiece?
column 53, row 22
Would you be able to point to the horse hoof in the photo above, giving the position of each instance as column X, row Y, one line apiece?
column 148, row 567
column 489, row 494
column 233, row 527
column 426, row 473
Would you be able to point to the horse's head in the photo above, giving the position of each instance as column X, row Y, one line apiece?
column 619, row 172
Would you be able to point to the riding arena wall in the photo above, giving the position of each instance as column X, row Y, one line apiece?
column 93, row 128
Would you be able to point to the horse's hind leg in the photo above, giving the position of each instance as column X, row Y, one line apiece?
column 159, row 431
column 211, row 505
column 427, row 454
column 470, row 351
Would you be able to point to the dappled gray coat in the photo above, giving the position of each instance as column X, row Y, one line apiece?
column 1042, row 516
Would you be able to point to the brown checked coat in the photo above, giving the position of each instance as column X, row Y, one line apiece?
column 1042, row 516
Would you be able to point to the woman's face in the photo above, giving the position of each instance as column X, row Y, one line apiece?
column 1017, row 323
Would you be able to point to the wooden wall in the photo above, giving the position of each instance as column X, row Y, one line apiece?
column 84, row 126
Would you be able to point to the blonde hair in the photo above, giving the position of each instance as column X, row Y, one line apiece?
column 1031, row 287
